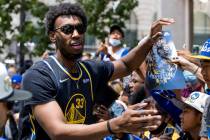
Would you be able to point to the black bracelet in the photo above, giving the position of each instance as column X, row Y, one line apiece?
column 109, row 128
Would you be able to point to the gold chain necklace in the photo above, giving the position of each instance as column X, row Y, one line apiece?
column 75, row 79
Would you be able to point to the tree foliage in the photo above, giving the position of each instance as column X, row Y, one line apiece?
column 104, row 13
column 101, row 15
column 31, row 30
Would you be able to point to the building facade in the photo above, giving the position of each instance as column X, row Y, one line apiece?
column 191, row 29
column 192, row 18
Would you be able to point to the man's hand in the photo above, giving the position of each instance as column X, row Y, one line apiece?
column 156, row 28
column 102, row 112
column 103, row 48
column 185, row 64
column 184, row 53
column 136, row 119
column 182, row 62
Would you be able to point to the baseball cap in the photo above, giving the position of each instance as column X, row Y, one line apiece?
column 164, row 100
column 16, row 79
column 7, row 93
column 116, row 27
column 197, row 100
column 205, row 51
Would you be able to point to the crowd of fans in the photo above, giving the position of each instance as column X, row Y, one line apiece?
column 183, row 114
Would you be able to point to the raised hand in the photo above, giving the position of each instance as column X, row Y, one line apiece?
column 182, row 62
column 103, row 48
column 156, row 28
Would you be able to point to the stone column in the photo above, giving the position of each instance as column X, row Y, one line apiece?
column 181, row 11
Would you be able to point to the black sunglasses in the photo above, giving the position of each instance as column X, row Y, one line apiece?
column 69, row 29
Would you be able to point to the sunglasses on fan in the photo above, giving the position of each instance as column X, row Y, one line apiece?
column 69, row 29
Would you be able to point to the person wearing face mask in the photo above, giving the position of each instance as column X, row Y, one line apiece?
column 112, row 49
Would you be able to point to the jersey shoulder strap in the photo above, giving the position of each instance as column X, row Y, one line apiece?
column 51, row 64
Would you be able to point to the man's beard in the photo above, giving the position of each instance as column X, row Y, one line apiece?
column 66, row 54
column 70, row 56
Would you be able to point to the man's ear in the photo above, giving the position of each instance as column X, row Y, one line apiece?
column 52, row 37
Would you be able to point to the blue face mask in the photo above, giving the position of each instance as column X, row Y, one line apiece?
column 114, row 42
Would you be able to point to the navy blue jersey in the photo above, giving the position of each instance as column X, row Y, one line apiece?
column 75, row 93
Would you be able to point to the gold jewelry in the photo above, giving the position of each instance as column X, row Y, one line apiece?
column 75, row 79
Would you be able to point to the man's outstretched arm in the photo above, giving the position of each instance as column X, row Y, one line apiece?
column 51, row 119
column 136, row 56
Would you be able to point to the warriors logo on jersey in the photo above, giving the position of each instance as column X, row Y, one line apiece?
column 75, row 112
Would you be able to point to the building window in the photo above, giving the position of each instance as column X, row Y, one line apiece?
column 201, row 23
